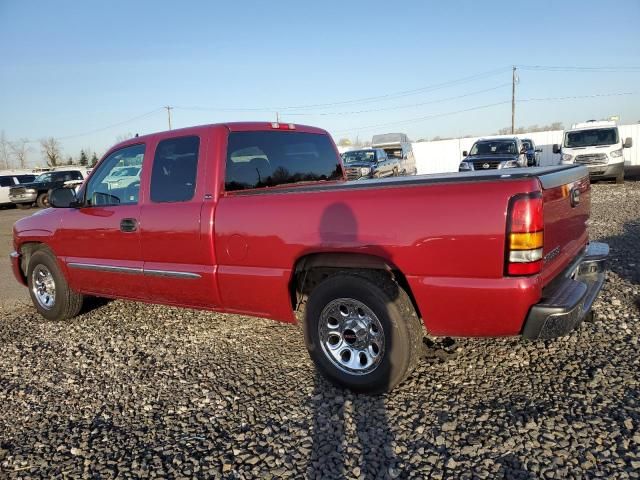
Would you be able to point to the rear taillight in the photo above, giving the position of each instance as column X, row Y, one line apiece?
column 525, row 235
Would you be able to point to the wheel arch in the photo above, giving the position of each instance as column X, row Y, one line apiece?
column 310, row 270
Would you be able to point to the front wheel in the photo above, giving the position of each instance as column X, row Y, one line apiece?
column 49, row 291
column 620, row 178
column 43, row 200
column 362, row 332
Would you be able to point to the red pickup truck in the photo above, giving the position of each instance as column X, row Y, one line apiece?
column 258, row 219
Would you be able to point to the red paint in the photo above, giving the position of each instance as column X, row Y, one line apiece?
column 448, row 239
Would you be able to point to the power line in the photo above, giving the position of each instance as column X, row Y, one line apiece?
column 67, row 137
column 481, row 107
column 399, row 107
column 567, row 68
column 372, row 99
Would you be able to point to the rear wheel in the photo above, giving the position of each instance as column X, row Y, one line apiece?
column 362, row 332
column 43, row 200
column 49, row 290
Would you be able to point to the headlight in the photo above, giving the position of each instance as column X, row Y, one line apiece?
column 616, row 153
column 566, row 157
column 465, row 167
column 365, row 171
column 30, row 190
column 510, row 164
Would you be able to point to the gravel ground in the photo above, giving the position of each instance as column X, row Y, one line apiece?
column 131, row 390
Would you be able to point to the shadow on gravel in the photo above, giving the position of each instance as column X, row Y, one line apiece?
column 93, row 303
column 351, row 434
column 627, row 244
column 336, row 414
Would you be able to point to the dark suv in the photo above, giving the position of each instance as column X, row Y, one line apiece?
column 26, row 194
column 494, row 153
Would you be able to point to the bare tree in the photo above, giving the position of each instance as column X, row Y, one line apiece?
column 5, row 159
column 51, row 151
column 20, row 148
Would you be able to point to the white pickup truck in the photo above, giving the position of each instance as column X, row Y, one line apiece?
column 596, row 145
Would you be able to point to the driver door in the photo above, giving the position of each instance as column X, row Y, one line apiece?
column 100, row 241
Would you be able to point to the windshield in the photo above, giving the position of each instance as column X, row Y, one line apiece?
column 591, row 138
column 494, row 147
column 43, row 177
column 357, row 156
column 527, row 144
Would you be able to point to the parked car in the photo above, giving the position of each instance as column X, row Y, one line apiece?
column 494, row 153
column 369, row 163
column 596, row 145
column 123, row 176
column 37, row 191
column 257, row 219
column 9, row 179
column 533, row 152
column 397, row 145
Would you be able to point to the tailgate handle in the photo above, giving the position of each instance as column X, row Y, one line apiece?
column 128, row 225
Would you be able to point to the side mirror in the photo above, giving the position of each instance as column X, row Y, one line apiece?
column 627, row 143
column 62, row 198
column 538, row 150
column 465, row 153
column 556, row 148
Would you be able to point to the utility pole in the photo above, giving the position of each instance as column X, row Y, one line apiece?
column 169, row 114
column 277, row 117
column 513, row 100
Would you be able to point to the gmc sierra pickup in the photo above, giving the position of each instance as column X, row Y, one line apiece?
column 258, row 219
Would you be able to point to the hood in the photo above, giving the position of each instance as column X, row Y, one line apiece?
column 359, row 164
column 497, row 157
column 27, row 185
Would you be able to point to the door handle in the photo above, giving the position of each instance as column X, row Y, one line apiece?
column 128, row 225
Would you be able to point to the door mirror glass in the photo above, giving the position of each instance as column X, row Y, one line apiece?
column 628, row 143
column 465, row 153
column 556, row 148
column 63, row 198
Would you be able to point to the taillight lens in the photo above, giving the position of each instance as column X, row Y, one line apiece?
column 525, row 235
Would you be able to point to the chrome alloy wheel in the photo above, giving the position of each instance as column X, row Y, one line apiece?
column 351, row 336
column 43, row 287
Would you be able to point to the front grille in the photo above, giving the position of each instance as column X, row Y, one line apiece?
column 353, row 173
column 18, row 191
column 592, row 158
column 492, row 164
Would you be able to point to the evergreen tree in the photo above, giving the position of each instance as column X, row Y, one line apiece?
column 70, row 161
column 84, row 160
column 94, row 159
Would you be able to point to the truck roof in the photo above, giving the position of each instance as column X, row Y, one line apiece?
column 593, row 124
column 230, row 126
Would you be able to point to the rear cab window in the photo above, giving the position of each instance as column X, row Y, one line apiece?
column 175, row 167
column 262, row 159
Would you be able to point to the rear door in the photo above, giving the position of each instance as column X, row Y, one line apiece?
column 6, row 182
column 100, row 242
column 176, row 246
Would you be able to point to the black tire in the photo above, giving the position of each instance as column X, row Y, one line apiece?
column 620, row 178
column 43, row 200
column 23, row 206
column 67, row 303
column 403, row 331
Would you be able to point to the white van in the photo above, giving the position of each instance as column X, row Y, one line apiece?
column 10, row 178
column 596, row 145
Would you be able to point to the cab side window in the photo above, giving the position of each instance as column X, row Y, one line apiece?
column 175, row 165
column 115, row 182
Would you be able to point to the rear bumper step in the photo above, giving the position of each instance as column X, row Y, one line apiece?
column 568, row 299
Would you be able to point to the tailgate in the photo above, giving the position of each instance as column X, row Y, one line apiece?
column 566, row 205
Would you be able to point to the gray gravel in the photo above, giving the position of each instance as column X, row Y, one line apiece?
column 132, row 390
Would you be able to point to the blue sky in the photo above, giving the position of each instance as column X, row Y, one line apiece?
column 74, row 67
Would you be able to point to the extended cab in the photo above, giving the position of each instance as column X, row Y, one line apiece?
column 258, row 219
column 398, row 146
column 37, row 191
